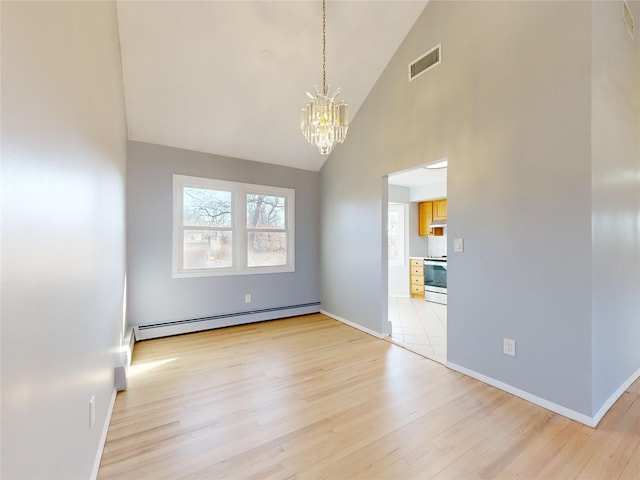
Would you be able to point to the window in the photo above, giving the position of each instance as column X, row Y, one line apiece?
column 229, row 228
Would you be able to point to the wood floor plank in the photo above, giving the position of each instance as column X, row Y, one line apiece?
column 614, row 454
column 308, row 397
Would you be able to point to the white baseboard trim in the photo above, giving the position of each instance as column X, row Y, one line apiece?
column 355, row 325
column 103, row 436
column 615, row 396
column 554, row 407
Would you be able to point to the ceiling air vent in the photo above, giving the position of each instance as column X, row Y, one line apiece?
column 429, row 60
column 628, row 18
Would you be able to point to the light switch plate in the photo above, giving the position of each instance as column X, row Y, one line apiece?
column 509, row 347
column 458, row 245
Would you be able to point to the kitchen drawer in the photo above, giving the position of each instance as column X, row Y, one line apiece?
column 416, row 277
column 417, row 262
column 417, row 290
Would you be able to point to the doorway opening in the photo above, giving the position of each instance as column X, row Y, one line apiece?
column 417, row 323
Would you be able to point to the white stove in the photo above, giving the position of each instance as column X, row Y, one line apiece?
column 435, row 279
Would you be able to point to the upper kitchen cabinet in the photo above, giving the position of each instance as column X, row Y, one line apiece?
column 440, row 209
column 428, row 212
column 425, row 218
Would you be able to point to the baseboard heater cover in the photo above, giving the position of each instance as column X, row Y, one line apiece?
column 177, row 327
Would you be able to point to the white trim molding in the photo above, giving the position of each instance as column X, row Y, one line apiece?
column 541, row 402
column 554, row 407
column 355, row 325
column 614, row 397
column 103, row 436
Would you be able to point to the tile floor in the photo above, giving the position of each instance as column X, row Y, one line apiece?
column 420, row 326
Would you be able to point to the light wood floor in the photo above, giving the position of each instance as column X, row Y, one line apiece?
column 310, row 398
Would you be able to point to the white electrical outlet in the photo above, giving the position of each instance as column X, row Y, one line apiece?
column 92, row 411
column 509, row 347
column 247, row 298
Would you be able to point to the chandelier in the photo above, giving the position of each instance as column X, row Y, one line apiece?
column 324, row 121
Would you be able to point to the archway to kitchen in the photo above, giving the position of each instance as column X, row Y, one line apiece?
column 417, row 253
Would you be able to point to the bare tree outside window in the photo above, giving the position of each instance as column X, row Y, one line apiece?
column 211, row 247
column 265, row 211
column 206, row 208
column 266, row 236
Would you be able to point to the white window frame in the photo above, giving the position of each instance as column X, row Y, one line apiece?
column 238, row 226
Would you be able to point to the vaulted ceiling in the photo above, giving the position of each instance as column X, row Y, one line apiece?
column 230, row 77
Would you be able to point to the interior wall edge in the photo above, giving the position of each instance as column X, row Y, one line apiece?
column 355, row 325
column 606, row 406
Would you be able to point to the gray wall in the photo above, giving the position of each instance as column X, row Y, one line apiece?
column 153, row 295
column 354, row 246
column 510, row 108
column 418, row 246
column 63, row 232
column 616, row 199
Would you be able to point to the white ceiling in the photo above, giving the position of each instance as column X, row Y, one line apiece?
column 230, row 77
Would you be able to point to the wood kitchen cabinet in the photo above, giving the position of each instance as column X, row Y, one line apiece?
column 428, row 212
column 425, row 210
column 440, row 209
column 416, row 277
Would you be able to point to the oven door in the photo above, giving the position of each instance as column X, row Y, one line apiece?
column 435, row 281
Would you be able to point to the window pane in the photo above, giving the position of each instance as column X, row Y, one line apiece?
column 203, row 207
column 396, row 232
column 394, row 236
column 266, row 249
column 207, row 249
column 265, row 211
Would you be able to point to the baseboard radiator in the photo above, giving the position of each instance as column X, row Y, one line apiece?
column 177, row 327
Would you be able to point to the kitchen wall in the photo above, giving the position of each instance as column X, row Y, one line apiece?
column 63, row 233
column 510, row 107
column 437, row 245
column 432, row 191
column 153, row 295
column 419, row 246
column 427, row 246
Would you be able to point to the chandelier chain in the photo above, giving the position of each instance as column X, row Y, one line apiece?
column 324, row 47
